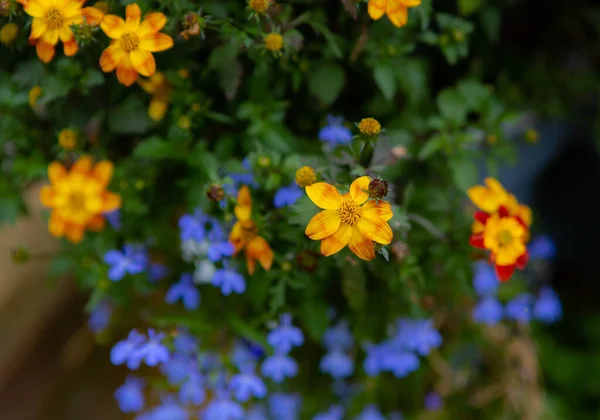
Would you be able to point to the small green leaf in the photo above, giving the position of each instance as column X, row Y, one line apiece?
column 384, row 77
column 326, row 82
column 433, row 145
column 468, row 7
column 153, row 148
column 314, row 315
column 464, row 173
column 452, row 106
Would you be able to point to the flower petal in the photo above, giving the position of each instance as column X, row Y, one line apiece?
column 56, row 172
column 126, row 74
column 113, row 26
column 38, row 27
column 83, row 165
column 33, row 8
column 157, row 109
column 74, row 233
column 324, row 195
column 336, row 242
column 397, row 13
column 377, row 229
column 133, row 14
column 50, row 36
column 361, row 244
column 143, row 62
column 376, row 8
column 70, row 47
column 411, row 3
column 65, row 34
column 155, row 42
column 103, row 172
column 72, row 8
column 47, row 195
column 56, row 225
column 504, row 272
column 154, row 22
column 243, row 197
column 476, row 240
column 359, row 189
column 110, row 202
column 258, row 248
column 323, row 224
column 93, row 15
column 97, row 223
column 111, row 57
column 377, row 209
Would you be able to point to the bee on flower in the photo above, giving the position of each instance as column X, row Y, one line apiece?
column 244, row 234
column 501, row 226
column 350, row 219
column 396, row 10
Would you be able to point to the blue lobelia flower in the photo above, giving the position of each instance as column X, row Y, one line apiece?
column 223, row 408
column 247, row 384
column 257, row 412
column 433, row 402
column 284, row 406
column 337, row 364
column 542, row 248
column 130, row 395
column 287, row 195
column 125, row 351
column 243, row 355
column 132, row 260
column 488, row 311
column 192, row 391
column 185, row 343
column 229, row 280
column 547, row 308
column 193, row 226
column 370, row 412
column 278, row 367
column 485, row 280
column 100, row 317
column 334, row 133
column 519, row 308
column 335, row 412
column 169, row 410
column 399, row 362
column 417, row 335
column 153, row 351
column 246, row 177
column 186, row 291
column 338, row 337
column 285, row 336
column 157, row 271
column 114, row 219
column 219, row 246
column 178, row 368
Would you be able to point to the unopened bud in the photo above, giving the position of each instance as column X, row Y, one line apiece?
column 215, row 193
column 378, row 188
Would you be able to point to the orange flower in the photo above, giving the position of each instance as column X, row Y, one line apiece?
column 133, row 43
column 349, row 219
column 52, row 20
column 78, row 197
column 244, row 234
column 157, row 86
column 396, row 10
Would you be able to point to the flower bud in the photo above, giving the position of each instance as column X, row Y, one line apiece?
column 9, row 33
column 215, row 193
column 369, row 127
column 305, row 176
column 378, row 188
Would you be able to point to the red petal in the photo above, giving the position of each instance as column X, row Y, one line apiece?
column 522, row 261
column 521, row 222
column 503, row 211
column 477, row 241
column 504, row 272
column 481, row 217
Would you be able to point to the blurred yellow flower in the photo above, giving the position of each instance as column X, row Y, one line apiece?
column 67, row 139
column 9, row 33
column 159, row 88
column 34, row 94
column 305, row 176
column 369, row 127
column 396, row 10
column 273, row 42
column 184, row 122
column 259, row 6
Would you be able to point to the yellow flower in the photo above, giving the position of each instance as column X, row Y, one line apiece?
column 52, row 20
column 259, row 6
column 349, row 219
column 244, row 234
column 505, row 237
column 396, row 10
column 490, row 197
column 133, row 43
column 78, row 197
column 532, row 136
column 158, row 86
column 9, row 33
column 369, row 127
column 34, row 95
column 273, row 42
column 305, row 176
column 67, row 138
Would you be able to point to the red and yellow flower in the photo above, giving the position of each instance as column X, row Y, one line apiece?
column 133, row 43
column 78, row 197
column 350, row 219
column 244, row 234
column 396, row 10
column 52, row 20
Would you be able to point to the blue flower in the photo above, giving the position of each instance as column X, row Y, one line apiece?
column 334, row 133
column 185, row 343
column 488, row 311
column 114, row 219
column 338, row 337
column 287, row 195
column 246, row 385
column 100, row 317
column 125, row 351
column 542, row 248
column 285, row 336
column 240, row 178
column 390, row 357
column 153, row 352
column 130, row 395
column 396, row 415
column 192, row 391
column 242, row 355
column 186, row 291
column 547, row 308
column 223, row 408
column 284, row 406
column 278, row 367
column 335, row 412
column 433, row 402
column 157, row 272
column 485, row 280
column 337, row 364
column 132, row 260
column 418, row 335
column 519, row 309
column 257, row 412
column 178, row 369
column 169, row 410
column 370, row 412
column 219, row 246
column 229, row 280
column 193, row 226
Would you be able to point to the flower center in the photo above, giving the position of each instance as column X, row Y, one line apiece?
column 249, row 230
column 129, row 42
column 350, row 212
column 54, row 19
column 77, row 201
column 504, row 238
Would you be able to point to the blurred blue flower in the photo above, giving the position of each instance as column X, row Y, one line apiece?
column 485, row 280
column 243, row 355
column 132, row 260
column 370, row 412
column 157, row 271
column 125, row 351
column 547, row 308
column 193, row 226
column 278, row 367
column 240, row 178
column 335, row 412
column 390, row 357
column 542, row 248
column 229, row 280
column 433, row 402
column 246, row 385
column 130, row 395
column 192, row 391
column 219, row 246
column 114, row 219
column 488, row 311
column 519, row 308
column 186, row 291
column 257, row 412
column 337, row 364
column 153, row 351
column 338, row 337
column 100, row 317
column 334, row 133
column 178, row 368
column 287, row 195
column 284, row 406
column 285, row 336
column 417, row 335
column 185, row 343
column 223, row 408
column 169, row 410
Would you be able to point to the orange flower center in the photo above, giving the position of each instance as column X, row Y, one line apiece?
column 54, row 19
column 76, row 201
column 504, row 238
column 129, row 42
column 249, row 230
column 350, row 212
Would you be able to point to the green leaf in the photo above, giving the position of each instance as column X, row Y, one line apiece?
column 10, row 209
column 29, row 73
column 468, row 7
column 129, row 117
column 54, row 87
column 92, row 78
column 413, row 79
column 452, row 106
column 464, row 173
column 490, row 19
column 433, row 145
column 153, row 148
column 384, row 77
column 326, row 82
column 474, row 93
column 314, row 315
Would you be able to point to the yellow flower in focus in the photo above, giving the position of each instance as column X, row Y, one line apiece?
column 133, row 43
column 244, row 234
column 532, row 135
column 9, row 33
column 505, row 237
column 78, row 197
column 396, row 10
column 259, row 6
column 158, row 86
column 34, row 94
column 305, row 176
column 273, row 42
column 52, row 20
column 67, row 139
column 369, row 127
column 349, row 219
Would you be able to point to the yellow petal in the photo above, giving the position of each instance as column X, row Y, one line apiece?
column 361, row 244
column 359, row 189
column 524, row 213
column 72, row 9
column 336, row 242
column 376, row 8
column 143, row 62
column 34, row 8
column 45, row 51
column 110, row 202
column 103, row 172
column 154, row 22
column 97, row 223
column 251, row 264
column 92, row 15
column 377, row 209
column 157, row 109
column 396, row 13
column 324, row 195
column 74, row 233
column 94, row 204
column 47, row 195
column 243, row 213
column 56, row 225
column 323, row 224
column 113, row 26
column 83, row 165
column 70, row 47
column 65, row 34
column 258, row 248
column 155, row 42
column 126, row 74
column 38, row 27
column 411, row 3
column 132, row 14
column 377, row 229
column 243, row 197
column 484, row 198
column 111, row 57
column 50, row 36
column 56, row 172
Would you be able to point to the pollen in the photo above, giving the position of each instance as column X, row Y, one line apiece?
column 54, row 19
column 273, row 42
column 259, row 6
column 350, row 212
column 504, row 238
column 129, row 42
column 305, row 176
column 369, row 127
column 76, row 201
